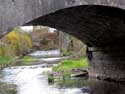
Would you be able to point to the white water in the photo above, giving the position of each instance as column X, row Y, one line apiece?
column 31, row 80
column 48, row 56
column 49, row 53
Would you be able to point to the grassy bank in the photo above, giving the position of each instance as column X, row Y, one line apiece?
column 5, row 61
column 68, row 65
column 27, row 60
column 64, row 69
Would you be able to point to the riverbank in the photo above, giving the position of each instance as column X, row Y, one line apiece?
column 60, row 66
column 69, row 68
column 70, row 64
column 6, row 61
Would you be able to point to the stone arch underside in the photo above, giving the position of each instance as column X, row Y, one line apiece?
column 97, row 26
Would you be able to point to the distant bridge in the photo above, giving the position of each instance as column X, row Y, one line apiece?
column 98, row 23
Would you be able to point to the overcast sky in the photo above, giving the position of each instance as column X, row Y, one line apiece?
column 30, row 28
column 27, row 28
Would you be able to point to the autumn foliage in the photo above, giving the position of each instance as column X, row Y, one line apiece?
column 15, row 43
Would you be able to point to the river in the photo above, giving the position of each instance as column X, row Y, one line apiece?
column 33, row 80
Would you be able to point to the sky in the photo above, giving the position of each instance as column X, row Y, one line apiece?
column 27, row 28
column 30, row 28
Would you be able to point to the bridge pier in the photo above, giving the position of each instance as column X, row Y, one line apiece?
column 107, row 63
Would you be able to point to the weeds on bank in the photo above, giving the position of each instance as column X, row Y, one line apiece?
column 68, row 65
column 62, row 72
column 6, row 60
column 28, row 59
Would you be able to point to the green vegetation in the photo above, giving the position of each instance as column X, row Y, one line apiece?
column 68, row 65
column 5, row 61
column 21, row 41
column 65, row 68
column 51, row 78
column 27, row 59
column 14, row 44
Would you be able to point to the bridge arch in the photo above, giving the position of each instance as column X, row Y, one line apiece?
column 92, row 24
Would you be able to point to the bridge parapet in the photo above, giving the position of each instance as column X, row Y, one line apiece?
column 18, row 12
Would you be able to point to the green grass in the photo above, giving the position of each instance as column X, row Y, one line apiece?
column 68, row 65
column 6, row 59
column 27, row 59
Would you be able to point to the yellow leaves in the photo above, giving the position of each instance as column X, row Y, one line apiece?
column 13, row 44
column 21, row 41
column 17, row 37
column 28, row 41
column 12, row 37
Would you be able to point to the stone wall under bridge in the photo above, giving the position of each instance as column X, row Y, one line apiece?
column 107, row 63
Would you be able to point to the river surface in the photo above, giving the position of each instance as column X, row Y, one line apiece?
column 33, row 80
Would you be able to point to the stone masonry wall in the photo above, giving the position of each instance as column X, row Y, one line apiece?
column 108, row 63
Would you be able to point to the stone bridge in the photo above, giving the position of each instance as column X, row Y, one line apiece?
column 98, row 23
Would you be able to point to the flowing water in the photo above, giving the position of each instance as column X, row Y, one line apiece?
column 33, row 80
